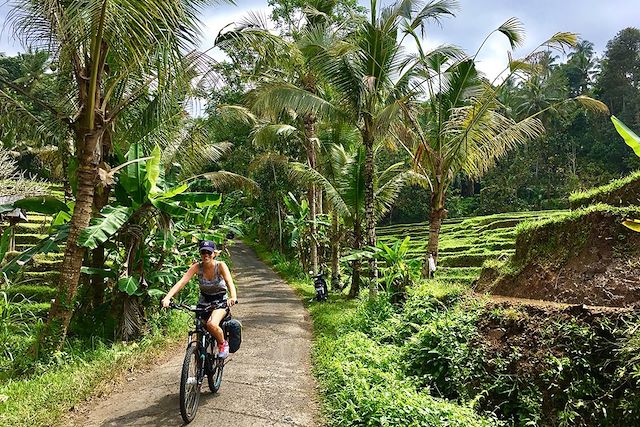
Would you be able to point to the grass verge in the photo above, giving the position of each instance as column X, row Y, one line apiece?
column 360, row 374
column 44, row 399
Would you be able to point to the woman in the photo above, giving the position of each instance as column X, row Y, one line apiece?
column 214, row 280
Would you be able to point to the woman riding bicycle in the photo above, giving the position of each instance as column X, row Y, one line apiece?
column 214, row 280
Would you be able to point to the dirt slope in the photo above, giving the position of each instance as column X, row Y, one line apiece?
column 267, row 383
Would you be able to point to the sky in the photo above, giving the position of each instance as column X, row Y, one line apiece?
column 593, row 20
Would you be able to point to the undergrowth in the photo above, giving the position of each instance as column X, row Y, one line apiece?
column 445, row 358
column 357, row 362
column 79, row 371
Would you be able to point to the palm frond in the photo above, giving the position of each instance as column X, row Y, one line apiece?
column 229, row 181
column 279, row 97
column 266, row 135
column 514, row 31
column 304, row 173
column 592, row 104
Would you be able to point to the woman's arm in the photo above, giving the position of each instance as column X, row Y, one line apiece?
column 178, row 286
column 226, row 275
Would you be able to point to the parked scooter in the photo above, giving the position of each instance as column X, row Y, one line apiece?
column 320, row 284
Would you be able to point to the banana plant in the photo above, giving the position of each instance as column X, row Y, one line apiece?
column 633, row 141
column 142, row 193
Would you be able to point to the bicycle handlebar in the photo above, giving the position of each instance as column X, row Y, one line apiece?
column 193, row 308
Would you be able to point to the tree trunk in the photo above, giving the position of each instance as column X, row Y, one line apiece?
column 55, row 331
column 438, row 213
column 98, row 284
column 355, row 265
column 369, row 208
column 310, row 140
column 335, row 252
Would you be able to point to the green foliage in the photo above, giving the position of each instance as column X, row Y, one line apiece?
column 630, row 138
column 619, row 192
column 398, row 271
column 103, row 227
column 46, row 205
column 79, row 371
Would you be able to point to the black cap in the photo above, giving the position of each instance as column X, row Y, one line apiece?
column 207, row 245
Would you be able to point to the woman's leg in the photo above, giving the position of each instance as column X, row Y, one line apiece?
column 213, row 324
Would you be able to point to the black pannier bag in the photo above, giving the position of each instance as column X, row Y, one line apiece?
column 233, row 330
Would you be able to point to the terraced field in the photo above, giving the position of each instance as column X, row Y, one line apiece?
column 465, row 243
column 30, row 291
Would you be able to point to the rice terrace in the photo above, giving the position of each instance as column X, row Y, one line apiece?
column 319, row 213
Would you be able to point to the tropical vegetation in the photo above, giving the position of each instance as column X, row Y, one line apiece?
column 335, row 140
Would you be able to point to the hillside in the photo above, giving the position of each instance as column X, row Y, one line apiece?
column 465, row 243
column 583, row 257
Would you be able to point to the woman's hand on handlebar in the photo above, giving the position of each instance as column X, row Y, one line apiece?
column 232, row 302
column 165, row 302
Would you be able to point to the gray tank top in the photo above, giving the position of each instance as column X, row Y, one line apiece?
column 217, row 286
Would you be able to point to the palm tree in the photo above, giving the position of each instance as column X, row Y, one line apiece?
column 371, row 82
column 284, row 61
column 581, row 67
column 462, row 128
column 110, row 55
column 345, row 187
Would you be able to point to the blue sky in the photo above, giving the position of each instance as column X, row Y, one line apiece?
column 596, row 21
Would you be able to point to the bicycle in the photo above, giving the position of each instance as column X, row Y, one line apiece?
column 201, row 359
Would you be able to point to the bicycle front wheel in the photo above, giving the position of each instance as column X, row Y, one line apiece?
column 215, row 375
column 189, row 386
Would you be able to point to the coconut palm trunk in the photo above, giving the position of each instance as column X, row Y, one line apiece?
column 369, row 211
column 356, row 264
column 310, row 137
column 437, row 215
column 62, row 307
column 335, row 252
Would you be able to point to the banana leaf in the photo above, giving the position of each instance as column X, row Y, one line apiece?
column 105, row 226
column 201, row 200
column 153, row 171
column 632, row 224
column 102, row 272
column 630, row 138
column 171, row 193
column 128, row 285
column 42, row 204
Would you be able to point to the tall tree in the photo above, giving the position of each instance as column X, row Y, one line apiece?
column 462, row 128
column 345, row 186
column 283, row 61
column 110, row 54
column 371, row 80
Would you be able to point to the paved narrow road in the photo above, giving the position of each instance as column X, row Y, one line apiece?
column 267, row 383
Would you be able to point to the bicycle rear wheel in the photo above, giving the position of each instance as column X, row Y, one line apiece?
column 215, row 375
column 189, row 387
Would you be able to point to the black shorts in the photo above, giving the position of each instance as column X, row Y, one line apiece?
column 219, row 301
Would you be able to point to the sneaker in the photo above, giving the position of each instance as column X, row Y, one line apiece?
column 223, row 350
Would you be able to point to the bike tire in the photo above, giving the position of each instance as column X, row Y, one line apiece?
column 215, row 376
column 189, row 387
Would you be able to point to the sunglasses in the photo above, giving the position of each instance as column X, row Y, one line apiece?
column 206, row 253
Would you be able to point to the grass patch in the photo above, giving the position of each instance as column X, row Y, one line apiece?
column 356, row 363
column 34, row 293
column 78, row 373
column 619, row 192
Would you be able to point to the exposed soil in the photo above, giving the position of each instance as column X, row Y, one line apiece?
column 603, row 269
column 529, row 335
column 268, row 382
